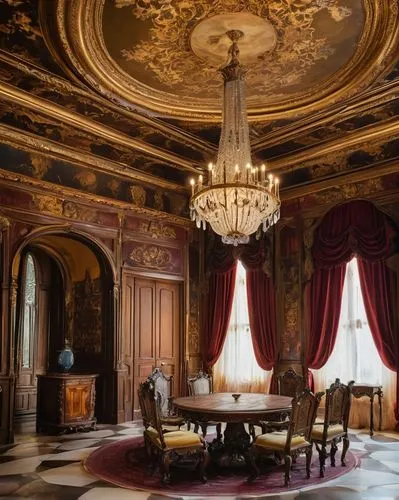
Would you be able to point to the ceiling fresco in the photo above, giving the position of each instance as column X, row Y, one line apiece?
column 164, row 56
column 127, row 111
column 151, row 42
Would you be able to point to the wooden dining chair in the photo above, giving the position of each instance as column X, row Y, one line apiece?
column 334, row 427
column 163, row 385
column 167, row 448
column 202, row 383
column 288, row 383
column 289, row 443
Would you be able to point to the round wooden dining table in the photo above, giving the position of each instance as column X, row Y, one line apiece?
column 248, row 408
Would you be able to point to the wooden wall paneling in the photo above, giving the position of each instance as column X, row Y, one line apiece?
column 127, row 342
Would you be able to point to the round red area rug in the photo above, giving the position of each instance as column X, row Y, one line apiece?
column 110, row 464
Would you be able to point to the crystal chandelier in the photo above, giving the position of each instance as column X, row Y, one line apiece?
column 238, row 198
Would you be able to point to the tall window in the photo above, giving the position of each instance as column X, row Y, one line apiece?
column 237, row 368
column 28, row 311
column 355, row 356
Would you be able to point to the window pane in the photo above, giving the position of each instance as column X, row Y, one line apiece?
column 237, row 366
column 29, row 306
column 355, row 356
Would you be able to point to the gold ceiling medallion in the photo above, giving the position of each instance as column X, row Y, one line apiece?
column 142, row 54
column 238, row 198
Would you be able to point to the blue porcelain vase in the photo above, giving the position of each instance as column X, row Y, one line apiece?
column 66, row 358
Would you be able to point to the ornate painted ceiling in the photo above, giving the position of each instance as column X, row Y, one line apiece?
column 121, row 99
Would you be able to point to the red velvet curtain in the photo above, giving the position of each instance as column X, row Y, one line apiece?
column 324, row 296
column 262, row 317
column 378, row 284
column 261, row 300
column 355, row 228
column 220, row 301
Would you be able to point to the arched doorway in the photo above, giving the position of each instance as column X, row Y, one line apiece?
column 65, row 285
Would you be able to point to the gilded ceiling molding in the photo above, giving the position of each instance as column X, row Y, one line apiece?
column 19, row 97
column 364, row 174
column 35, row 144
column 79, row 26
column 62, row 85
column 354, row 140
column 365, row 101
column 43, row 188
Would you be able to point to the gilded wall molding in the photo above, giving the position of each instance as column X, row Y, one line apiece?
column 33, row 186
column 36, row 144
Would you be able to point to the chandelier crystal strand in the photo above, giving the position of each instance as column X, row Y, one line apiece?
column 238, row 198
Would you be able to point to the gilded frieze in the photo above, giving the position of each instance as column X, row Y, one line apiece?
column 157, row 230
column 349, row 191
column 153, row 257
column 47, row 204
column 46, row 169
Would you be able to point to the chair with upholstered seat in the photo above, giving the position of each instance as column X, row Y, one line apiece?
column 290, row 384
column 289, row 442
column 168, row 448
column 163, row 386
column 202, row 384
column 334, row 428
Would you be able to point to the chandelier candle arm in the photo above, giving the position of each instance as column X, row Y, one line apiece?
column 233, row 207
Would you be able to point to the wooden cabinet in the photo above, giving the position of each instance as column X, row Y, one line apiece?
column 66, row 402
column 153, row 326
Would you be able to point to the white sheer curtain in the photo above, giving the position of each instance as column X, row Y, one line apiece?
column 237, row 369
column 355, row 356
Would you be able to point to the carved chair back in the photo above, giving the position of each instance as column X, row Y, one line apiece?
column 290, row 383
column 149, row 400
column 200, row 384
column 338, row 403
column 163, row 387
column 303, row 415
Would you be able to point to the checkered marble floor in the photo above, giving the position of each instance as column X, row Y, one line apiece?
column 49, row 467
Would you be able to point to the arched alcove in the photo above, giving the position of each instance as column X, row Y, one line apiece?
column 74, row 300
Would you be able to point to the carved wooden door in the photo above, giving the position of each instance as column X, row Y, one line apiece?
column 155, row 316
column 168, row 331
column 144, row 336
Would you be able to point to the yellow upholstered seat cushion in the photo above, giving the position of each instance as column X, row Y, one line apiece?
column 277, row 440
column 332, row 431
column 175, row 439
